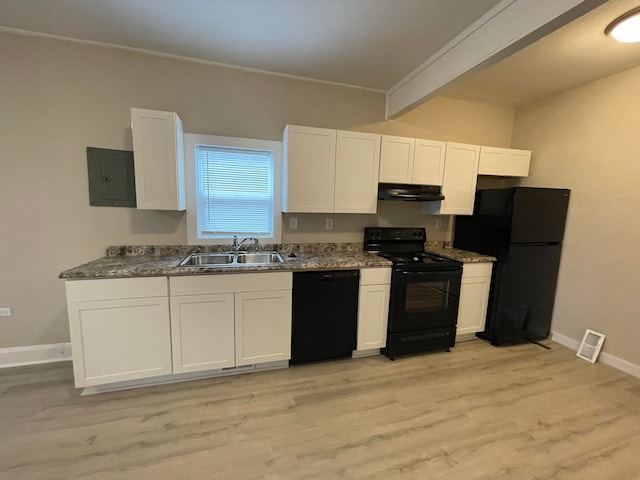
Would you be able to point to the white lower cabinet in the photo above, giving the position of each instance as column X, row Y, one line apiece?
column 263, row 327
column 474, row 297
column 119, row 329
column 221, row 321
column 373, row 308
column 202, row 332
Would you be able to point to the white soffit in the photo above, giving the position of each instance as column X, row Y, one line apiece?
column 508, row 27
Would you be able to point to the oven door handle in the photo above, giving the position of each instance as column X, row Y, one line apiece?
column 429, row 272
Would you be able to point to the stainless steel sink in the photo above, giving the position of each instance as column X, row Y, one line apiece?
column 259, row 257
column 231, row 259
column 203, row 259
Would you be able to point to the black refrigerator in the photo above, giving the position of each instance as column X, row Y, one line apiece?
column 523, row 228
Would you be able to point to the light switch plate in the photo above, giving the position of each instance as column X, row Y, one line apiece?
column 5, row 311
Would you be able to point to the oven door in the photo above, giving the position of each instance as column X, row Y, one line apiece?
column 421, row 300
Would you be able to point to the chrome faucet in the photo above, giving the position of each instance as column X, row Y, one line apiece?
column 237, row 245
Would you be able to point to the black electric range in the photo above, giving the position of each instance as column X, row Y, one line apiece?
column 425, row 291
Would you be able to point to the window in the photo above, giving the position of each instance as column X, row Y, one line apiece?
column 232, row 189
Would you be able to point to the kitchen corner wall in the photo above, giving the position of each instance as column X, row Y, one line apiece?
column 586, row 139
column 59, row 97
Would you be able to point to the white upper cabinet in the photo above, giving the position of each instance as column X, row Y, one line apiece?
column 460, row 178
column 357, row 167
column 506, row 162
column 428, row 162
column 158, row 155
column 396, row 159
column 327, row 171
column 411, row 160
column 459, row 182
column 309, row 156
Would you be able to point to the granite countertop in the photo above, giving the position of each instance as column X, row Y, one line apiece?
column 160, row 261
column 164, row 260
column 460, row 255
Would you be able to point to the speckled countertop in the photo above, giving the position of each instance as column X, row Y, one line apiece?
column 460, row 255
column 164, row 260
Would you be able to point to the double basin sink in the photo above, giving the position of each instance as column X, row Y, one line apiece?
column 231, row 259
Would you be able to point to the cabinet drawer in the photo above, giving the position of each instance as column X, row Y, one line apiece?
column 115, row 288
column 230, row 283
column 477, row 269
column 375, row 276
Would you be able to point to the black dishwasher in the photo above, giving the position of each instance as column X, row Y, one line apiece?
column 325, row 315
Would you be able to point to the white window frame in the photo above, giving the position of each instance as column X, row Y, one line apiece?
column 190, row 142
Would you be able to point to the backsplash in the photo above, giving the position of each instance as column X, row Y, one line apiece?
column 164, row 250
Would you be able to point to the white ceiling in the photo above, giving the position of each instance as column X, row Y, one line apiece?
column 572, row 55
column 370, row 44
column 366, row 43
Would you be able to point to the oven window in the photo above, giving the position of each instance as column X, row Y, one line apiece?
column 427, row 297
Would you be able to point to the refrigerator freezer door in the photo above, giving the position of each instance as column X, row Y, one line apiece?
column 539, row 215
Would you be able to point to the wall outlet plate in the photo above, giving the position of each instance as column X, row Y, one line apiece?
column 328, row 223
column 293, row 223
column 5, row 311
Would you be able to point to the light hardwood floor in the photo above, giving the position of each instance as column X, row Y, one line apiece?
column 478, row 412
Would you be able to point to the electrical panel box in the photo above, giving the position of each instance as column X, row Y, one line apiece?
column 111, row 178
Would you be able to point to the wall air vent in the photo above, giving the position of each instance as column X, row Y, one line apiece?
column 591, row 345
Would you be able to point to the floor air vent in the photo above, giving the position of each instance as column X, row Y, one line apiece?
column 591, row 345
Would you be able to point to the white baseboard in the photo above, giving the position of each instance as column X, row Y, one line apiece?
column 604, row 357
column 34, row 354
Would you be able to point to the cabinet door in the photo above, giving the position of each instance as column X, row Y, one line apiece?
column 396, row 159
column 309, row 169
column 263, row 326
column 373, row 314
column 492, row 161
column 517, row 163
column 504, row 162
column 158, row 157
column 119, row 340
column 202, row 332
column 474, row 296
column 460, row 177
column 357, row 167
column 428, row 163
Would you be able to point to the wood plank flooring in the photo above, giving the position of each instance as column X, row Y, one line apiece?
column 478, row 412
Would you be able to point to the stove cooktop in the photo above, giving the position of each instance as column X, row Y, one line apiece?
column 415, row 258
column 405, row 248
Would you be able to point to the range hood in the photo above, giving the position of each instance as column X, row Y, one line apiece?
column 415, row 193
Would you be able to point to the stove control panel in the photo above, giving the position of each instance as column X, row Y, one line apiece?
column 394, row 234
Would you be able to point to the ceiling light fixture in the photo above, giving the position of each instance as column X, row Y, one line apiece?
column 625, row 28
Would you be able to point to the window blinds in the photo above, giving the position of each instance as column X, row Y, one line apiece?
column 234, row 191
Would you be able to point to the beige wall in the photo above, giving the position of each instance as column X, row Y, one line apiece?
column 58, row 97
column 586, row 139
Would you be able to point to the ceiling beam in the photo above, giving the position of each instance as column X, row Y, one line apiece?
column 508, row 27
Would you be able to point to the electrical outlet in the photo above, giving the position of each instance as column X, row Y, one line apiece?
column 328, row 223
column 5, row 311
column 438, row 223
column 293, row 223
